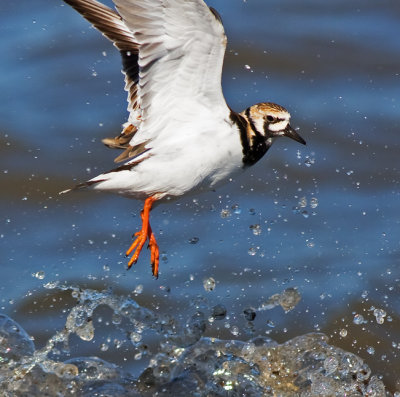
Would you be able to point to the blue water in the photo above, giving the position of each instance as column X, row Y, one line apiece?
column 334, row 65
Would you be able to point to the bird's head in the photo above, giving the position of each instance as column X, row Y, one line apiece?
column 270, row 121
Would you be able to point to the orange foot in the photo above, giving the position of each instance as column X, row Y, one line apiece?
column 142, row 236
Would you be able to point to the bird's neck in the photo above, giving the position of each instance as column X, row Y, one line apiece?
column 254, row 145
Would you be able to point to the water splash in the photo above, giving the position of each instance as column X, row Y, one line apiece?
column 186, row 363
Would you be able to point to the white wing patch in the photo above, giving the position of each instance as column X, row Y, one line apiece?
column 181, row 50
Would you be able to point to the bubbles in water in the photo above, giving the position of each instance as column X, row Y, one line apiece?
column 331, row 364
column 375, row 387
column 363, row 373
column 209, row 284
column 186, row 362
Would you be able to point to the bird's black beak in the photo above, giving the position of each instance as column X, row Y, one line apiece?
column 291, row 133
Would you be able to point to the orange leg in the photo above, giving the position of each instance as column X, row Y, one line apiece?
column 155, row 253
column 141, row 237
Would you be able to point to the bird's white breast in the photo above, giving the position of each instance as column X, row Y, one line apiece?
column 195, row 156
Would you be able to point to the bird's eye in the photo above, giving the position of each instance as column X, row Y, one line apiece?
column 270, row 118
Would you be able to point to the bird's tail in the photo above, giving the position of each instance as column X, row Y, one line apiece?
column 82, row 185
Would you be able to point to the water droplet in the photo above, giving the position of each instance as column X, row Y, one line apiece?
column 225, row 213
column 194, row 240
column 289, row 299
column 138, row 290
column 343, row 333
column 256, row 229
column 380, row 315
column 252, row 251
column 86, row 331
column 235, row 330
column 116, row 318
column 249, row 314
column 314, row 202
column 51, row 284
column 135, row 337
column 236, row 209
column 358, row 319
column 39, row 275
column 370, row 350
column 104, row 347
column 303, row 202
column 209, row 284
column 309, row 161
column 219, row 312
column 270, row 324
column 252, row 211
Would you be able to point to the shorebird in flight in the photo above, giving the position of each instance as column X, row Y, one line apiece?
column 180, row 136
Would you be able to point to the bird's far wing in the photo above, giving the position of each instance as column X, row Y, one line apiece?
column 111, row 25
column 181, row 50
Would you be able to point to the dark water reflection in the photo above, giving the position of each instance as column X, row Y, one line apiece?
column 334, row 65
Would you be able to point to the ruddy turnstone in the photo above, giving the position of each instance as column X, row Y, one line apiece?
column 180, row 136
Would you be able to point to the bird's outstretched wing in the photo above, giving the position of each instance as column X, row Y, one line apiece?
column 172, row 54
column 181, row 49
column 111, row 25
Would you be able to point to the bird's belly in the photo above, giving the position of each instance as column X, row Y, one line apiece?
column 175, row 170
column 186, row 173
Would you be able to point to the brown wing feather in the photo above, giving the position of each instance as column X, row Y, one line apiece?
column 111, row 25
